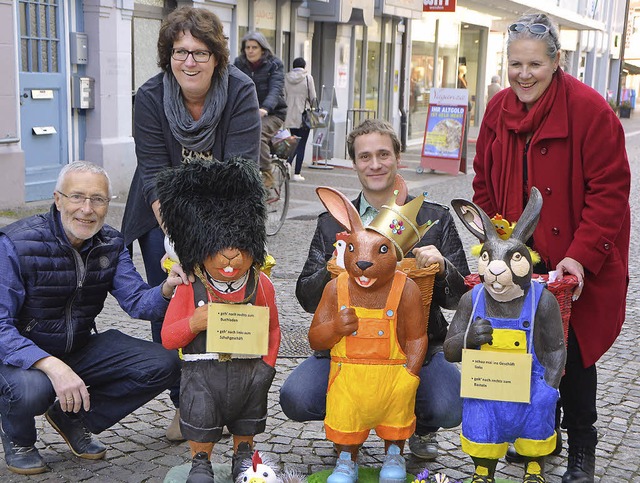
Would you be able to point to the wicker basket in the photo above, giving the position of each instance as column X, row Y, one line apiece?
column 423, row 277
column 562, row 290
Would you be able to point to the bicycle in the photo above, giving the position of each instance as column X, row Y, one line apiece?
column 278, row 192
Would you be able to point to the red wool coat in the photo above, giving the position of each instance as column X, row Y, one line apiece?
column 577, row 160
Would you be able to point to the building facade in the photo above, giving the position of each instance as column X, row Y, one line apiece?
column 72, row 67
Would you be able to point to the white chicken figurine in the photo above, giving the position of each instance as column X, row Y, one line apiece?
column 170, row 257
column 341, row 246
column 260, row 470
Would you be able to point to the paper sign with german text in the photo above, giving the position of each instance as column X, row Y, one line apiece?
column 498, row 376
column 238, row 329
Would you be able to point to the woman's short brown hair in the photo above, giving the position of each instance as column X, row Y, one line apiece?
column 203, row 25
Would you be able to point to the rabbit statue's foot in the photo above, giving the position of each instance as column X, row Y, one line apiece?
column 346, row 471
column 533, row 473
column 476, row 478
column 394, row 467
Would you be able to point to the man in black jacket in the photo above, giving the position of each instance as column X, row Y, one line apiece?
column 374, row 149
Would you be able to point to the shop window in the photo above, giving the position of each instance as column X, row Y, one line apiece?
column 39, row 37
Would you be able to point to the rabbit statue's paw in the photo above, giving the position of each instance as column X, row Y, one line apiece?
column 480, row 332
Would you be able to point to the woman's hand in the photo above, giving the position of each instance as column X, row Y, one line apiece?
column 572, row 267
column 263, row 112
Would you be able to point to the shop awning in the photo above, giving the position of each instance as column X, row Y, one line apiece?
column 354, row 12
column 510, row 10
column 632, row 67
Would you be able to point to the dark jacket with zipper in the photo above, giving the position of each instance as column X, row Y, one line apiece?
column 57, row 291
column 446, row 291
column 269, row 81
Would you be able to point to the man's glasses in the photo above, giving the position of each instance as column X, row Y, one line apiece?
column 534, row 28
column 76, row 199
column 200, row 56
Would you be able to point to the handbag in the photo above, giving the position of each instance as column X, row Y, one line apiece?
column 314, row 116
column 284, row 144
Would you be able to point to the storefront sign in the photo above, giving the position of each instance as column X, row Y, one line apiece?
column 445, row 133
column 438, row 5
column 265, row 14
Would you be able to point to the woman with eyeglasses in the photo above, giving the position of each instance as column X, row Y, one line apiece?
column 199, row 106
column 551, row 131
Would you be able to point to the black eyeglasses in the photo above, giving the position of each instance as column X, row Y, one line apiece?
column 200, row 56
column 534, row 28
column 77, row 199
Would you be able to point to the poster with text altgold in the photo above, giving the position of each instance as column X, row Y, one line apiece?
column 238, row 329
column 443, row 148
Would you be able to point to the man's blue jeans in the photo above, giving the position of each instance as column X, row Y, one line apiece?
column 121, row 372
column 438, row 402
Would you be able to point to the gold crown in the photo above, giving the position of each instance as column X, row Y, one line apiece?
column 399, row 223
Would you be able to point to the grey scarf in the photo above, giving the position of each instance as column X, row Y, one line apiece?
column 197, row 135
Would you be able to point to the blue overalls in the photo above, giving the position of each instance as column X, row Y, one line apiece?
column 489, row 426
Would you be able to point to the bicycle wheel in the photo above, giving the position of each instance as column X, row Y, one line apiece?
column 277, row 197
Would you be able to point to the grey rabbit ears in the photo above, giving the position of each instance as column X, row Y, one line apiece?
column 505, row 266
column 481, row 226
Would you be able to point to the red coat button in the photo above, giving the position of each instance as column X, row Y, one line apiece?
column 607, row 246
column 555, row 230
column 547, row 191
column 543, row 151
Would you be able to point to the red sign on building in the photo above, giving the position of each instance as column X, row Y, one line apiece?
column 438, row 5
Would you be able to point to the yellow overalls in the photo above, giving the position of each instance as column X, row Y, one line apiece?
column 369, row 384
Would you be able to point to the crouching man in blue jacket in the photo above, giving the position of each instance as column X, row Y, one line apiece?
column 57, row 269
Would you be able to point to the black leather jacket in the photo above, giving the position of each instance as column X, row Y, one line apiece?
column 446, row 291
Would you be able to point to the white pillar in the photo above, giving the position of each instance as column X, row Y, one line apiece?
column 109, row 139
column 12, row 162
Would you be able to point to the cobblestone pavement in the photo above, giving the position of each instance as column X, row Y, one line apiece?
column 139, row 452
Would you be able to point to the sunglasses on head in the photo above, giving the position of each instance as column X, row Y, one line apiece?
column 534, row 28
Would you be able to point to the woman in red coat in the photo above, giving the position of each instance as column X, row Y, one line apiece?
column 551, row 131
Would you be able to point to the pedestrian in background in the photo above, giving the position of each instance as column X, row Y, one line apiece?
column 300, row 94
column 257, row 60
column 199, row 106
column 374, row 148
column 551, row 131
column 493, row 88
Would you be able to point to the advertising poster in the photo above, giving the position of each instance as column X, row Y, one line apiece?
column 443, row 148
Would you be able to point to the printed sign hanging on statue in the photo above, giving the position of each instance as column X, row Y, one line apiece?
column 445, row 136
